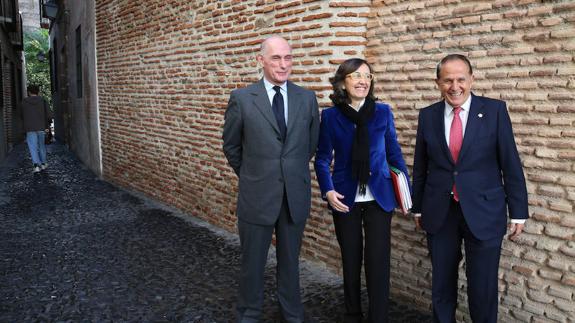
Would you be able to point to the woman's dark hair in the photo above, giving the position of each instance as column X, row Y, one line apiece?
column 339, row 95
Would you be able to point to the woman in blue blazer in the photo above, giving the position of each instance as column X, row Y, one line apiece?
column 358, row 134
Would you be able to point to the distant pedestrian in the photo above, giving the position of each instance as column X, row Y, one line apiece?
column 36, row 117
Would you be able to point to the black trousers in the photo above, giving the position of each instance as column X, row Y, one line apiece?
column 371, row 219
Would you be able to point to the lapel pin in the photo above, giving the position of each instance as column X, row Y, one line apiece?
column 480, row 115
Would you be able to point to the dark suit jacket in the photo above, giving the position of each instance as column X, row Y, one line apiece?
column 336, row 135
column 264, row 164
column 488, row 176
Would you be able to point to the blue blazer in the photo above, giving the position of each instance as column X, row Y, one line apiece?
column 488, row 176
column 335, row 139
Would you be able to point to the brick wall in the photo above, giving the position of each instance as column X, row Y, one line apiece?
column 165, row 70
column 164, row 85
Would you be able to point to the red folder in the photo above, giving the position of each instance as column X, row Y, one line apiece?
column 401, row 188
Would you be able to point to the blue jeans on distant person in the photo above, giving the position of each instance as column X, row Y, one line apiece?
column 37, row 147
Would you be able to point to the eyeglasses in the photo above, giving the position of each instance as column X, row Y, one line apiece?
column 359, row 76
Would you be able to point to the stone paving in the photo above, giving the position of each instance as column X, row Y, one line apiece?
column 74, row 248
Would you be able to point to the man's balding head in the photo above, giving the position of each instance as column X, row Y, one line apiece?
column 276, row 59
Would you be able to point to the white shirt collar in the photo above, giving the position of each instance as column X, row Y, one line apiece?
column 269, row 86
column 359, row 106
column 465, row 106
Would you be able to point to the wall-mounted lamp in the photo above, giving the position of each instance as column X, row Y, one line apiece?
column 50, row 9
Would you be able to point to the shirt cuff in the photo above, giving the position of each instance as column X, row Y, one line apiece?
column 416, row 215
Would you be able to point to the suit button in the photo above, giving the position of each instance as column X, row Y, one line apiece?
column 455, row 173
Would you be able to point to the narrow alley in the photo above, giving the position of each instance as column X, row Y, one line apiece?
column 75, row 248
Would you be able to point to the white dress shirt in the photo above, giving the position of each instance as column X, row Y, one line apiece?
column 271, row 93
column 449, row 114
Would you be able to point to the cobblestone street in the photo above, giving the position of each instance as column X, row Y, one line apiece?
column 74, row 248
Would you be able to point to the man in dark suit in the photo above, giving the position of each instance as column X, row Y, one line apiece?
column 270, row 134
column 466, row 177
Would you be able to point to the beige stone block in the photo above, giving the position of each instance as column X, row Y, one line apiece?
column 563, row 292
column 503, row 26
column 541, row 10
column 566, row 71
column 527, row 84
column 550, row 165
column 561, row 95
column 534, row 199
column 533, row 307
column 512, row 278
column 537, row 283
column 541, row 177
column 536, row 256
column 558, row 121
column 502, row 3
column 511, row 301
column 568, row 279
column 566, row 155
column 540, row 296
column 545, row 152
column 471, row 19
column 549, row 244
column 557, row 231
column 560, row 262
column 552, row 21
column 561, row 7
column 521, row 315
column 563, row 33
column 551, row 191
column 569, row 250
column 565, row 305
column 550, row 133
column 525, row 270
column 561, row 206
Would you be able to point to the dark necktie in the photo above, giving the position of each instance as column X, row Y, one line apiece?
column 455, row 141
column 278, row 107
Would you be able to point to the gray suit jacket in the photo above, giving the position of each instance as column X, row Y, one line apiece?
column 265, row 165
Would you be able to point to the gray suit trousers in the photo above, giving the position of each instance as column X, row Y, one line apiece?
column 255, row 241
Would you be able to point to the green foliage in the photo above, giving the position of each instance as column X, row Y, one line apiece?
column 38, row 72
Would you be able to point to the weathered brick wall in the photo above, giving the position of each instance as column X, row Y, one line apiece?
column 522, row 52
column 165, row 70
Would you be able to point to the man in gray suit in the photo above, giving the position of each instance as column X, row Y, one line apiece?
column 270, row 134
